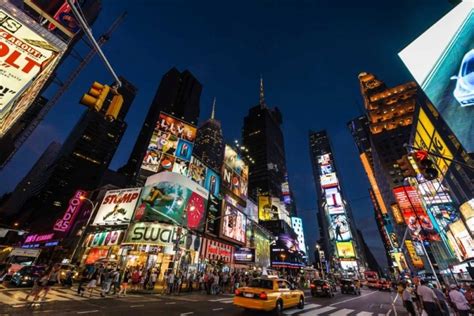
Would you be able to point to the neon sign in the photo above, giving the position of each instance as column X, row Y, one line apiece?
column 63, row 224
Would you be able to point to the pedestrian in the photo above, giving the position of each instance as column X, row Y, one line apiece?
column 442, row 300
column 106, row 282
column 215, row 284
column 407, row 298
column 170, row 282
column 470, row 295
column 126, row 280
column 116, row 278
column 152, row 281
column 135, row 279
column 93, row 282
column 53, row 278
column 85, row 277
column 179, row 282
column 36, row 287
column 428, row 299
column 459, row 301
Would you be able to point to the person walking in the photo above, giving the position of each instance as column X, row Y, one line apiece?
column 442, row 300
column 407, row 298
column 470, row 295
column 428, row 299
column 171, row 282
column 459, row 301
column 106, row 282
column 53, row 279
column 85, row 277
column 152, row 281
column 116, row 278
column 126, row 280
column 93, row 282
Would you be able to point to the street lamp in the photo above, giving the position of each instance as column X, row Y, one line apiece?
column 320, row 262
column 81, row 239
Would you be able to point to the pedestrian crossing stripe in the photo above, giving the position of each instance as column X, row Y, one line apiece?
column 306, row 307
column 342, row 312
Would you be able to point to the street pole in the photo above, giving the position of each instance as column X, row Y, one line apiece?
column 81, row 239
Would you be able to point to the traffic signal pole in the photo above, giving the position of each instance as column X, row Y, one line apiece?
column 83, row 23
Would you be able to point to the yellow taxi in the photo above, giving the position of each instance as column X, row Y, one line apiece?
column 269, row 294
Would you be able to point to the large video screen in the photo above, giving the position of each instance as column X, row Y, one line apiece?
column 233, row 223
column 117, row 207
column 345, row 249
column 170, row 147
column 235, row 173
column 442, row 62
column 173, row 198
column 27, row 60
column 341, row 230
column 334, row 201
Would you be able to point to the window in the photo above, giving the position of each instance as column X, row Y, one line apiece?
column 283, row 285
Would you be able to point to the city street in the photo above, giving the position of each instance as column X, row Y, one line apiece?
column 66, row 302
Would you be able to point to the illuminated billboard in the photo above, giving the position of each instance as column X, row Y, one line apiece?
column 467, row 211
column 415, row 216
column 397, row 214
column 173, row 198
column 251, row 211
column 340, row 229
column 329, row 180
column 204, row 176
column 415, row 259
column 461, row 239
column 170, row 147
column 334, row 201
column 64, row 223
column 442, row 62
column 28, row 56
column 235, row 173
column 271, row 209
column 233, row 224
column 345, row 249
column 117, row 207
column 428, row 138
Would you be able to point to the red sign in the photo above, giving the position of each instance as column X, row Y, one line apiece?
column 38, row 238
column 214, row 250
column 63, row 224
column 414, row 213
column 421, row 155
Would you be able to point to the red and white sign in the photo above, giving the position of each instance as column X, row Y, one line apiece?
column 117, row 207
column 38, row 238
column 63, row 224
column 214, row 250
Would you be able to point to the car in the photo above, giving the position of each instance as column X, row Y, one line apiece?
column 322, row 288
column 349, row 286
column 464, row 90
column 385, row 285
column 27, row 275
column 269, row 294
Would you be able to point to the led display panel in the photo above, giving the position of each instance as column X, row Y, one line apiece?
column 442, row 62
column 345, row 249
column 233, row 224
column 334, row 201
column 341, row 230
column 235, row 173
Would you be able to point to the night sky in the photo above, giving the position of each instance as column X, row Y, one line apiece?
column 309, row 53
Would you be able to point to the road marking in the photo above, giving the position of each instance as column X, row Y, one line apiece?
column 170, row 303
column 318, row 311
column 354, row 298
column 188, row 313
column 217, row 309
column 219, row 299
column 364, row 314
column 185, row 299
column 87, row 312
column 306, row 307
column 342, row 312
column 141, row 305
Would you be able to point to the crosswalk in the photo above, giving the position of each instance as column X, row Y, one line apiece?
column 317, row 310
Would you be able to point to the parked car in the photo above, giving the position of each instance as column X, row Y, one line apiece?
column 464, row 90
column 322, row 288
column 349, row 286
column 26, row 276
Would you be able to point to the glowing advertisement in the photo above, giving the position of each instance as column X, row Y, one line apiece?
column 334, row 201
column 233, row 224
column 428, row 138
column 329, row 180
column 75, row 203
column 397, row 214
column 271, row 208
column 467, row 211
column 415, row 259
column 345, row 249
column 340, row 229
column 213, row 212
column 262, row 250
column 442, row 62
column 117, row 207
column 27, row 61
column 462, row 239
column 415, row 216
column 109, row 238
column 171, row 143
column 204, row 176
column 153, row 234
column 251, row 211
column 235, row 173
column 173, row 198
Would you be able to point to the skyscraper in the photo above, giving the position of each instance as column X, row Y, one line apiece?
column 337, row 227
column 263, row 137
column 209, row 144
column 178, row 94
column 81, row 163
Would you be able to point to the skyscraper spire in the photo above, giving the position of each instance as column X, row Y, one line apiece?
column 213, row 109
column 262, row 94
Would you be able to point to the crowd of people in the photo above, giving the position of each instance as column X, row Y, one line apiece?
column 426, row 298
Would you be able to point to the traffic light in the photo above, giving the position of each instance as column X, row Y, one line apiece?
column 96, row 96
column 426, row 165
column 406, row 167
column 114, row 107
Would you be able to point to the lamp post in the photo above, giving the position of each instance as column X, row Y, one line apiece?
column 320, row 262
column 81, row 239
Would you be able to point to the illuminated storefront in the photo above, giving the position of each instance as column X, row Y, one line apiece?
column 102, row 245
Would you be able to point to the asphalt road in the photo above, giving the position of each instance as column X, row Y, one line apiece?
column 66, row 302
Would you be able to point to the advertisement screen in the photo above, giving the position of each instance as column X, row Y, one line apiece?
column 233, row 223
column 153, row 233
column 244, row 255
column 251, row 211
column 109, row 238
column 171, row 143
column 204, row 176
column 467, row 211
column 117, row 207
column 324, row 159
column 345, row 249
column 334, row 201
column 442, row 62
column 235, row 173
column 329, row 180
column 213, row 212
column 341, row 230
column 271, row 208
column 462, row 239
column 415, row 216
column 27, row 61
column 415, row 259
column 173, row 198
column 262, row 250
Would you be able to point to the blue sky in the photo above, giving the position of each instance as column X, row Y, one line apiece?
column 309, row 53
